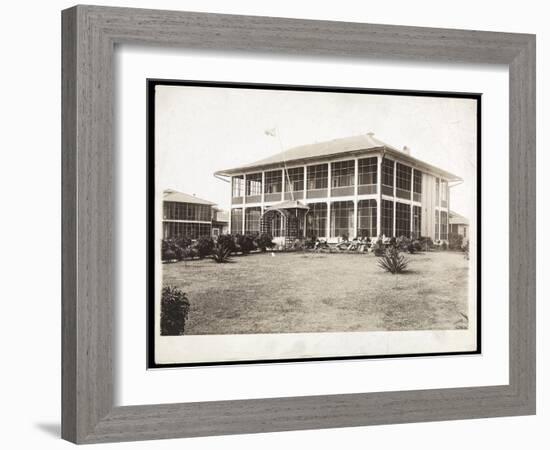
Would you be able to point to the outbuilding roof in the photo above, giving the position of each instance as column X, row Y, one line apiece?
column 170, row 195
column 351, row 146
column 457, row 219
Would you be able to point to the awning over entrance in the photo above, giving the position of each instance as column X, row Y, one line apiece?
column 288, row 204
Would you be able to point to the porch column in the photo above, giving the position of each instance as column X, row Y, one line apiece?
column 244, row 204
column 329, row 188
column 379, row 191
column 412, row 206
column 283, row 183
column 263, row 188
column 230, row 204
column 394, row 188
column 305, row 200
column 355, row 190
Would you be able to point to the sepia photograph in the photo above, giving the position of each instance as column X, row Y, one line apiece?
column 296, row 223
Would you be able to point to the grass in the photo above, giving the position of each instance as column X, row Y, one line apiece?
column 305, row 292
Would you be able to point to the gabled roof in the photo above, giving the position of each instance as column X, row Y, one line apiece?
column 170, row 195
column 455, row 218
column 350, row 146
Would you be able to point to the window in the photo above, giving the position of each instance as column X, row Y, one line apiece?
column 237, row 186
column 444, row 224
column 252, row 220
column 444, row 193
column 366, row 218
column 341, row 219
column 403, row 177
column 436, row 234
column 185, row 229
column 187, row 211
column 343, row 173
column 274, row 223
column 273, row 182
column 368, row 169
column 254, row 184
column 417, row 221
column 437, row 192
column 236, row 220
column 387, row 218
column 316, row 220
column 317, row 177
column 295, row 180
column 417, row 185
column 402, row 219
column 387, row 177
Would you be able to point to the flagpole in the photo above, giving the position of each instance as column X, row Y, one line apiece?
column 277, row 133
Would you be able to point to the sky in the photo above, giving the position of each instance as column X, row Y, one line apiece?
column 200, row 130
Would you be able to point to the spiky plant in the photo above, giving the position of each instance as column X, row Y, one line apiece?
column 393, row 261
column 221, row 253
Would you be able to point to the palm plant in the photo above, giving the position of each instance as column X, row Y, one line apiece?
column 393, row 261
column 221, row 253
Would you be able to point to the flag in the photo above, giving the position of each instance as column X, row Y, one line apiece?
column 271, row 132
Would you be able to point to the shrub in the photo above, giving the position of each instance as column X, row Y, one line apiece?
column 174, row 248
column 264, row 240
column 455, row 241
column 378, row 248
column 393, row 261
column 245, row 243
column 204, row 246
column 426, row 243
column 402, row 243
column 310, row 242
column 444, row 245
column 182, row 241
column 221, row 252
column 174, row 310
column 168, row 255
column 227, row 241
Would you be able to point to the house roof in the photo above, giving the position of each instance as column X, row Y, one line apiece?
column 170, row 195
column 455, row 219
column 352, row 146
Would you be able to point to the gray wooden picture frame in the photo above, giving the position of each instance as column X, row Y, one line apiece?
column 89, row 37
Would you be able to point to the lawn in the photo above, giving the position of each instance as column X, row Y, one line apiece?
column 308, row 292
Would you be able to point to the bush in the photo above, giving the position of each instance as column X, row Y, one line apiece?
column 174, row 248
column 378, row 248
column 228, row 241
column 444, row 245
column 393, row 261
column 245, row 243
column 455, row 241
column 310, row 242
column 402, row 243
column 204, row 246
column 264, row 241
column 174, row 310
column 222, row 252
column 168, row 254
column 426, row 243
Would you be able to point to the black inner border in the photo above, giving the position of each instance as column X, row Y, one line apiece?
column 151, row 83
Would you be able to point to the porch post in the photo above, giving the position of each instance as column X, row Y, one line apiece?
column 305, row 200
column 263, row 188
column 355, row 190
column 283, row 184
column 230, row 204
column 379, row 191
column 412, row 206
column 329, row 188
column 394, row 189
column 244, row 204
